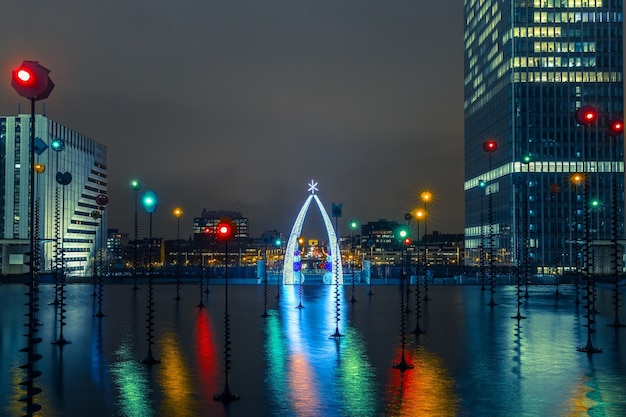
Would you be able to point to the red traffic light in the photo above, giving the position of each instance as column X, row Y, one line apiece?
column 407, row 241
column 616, row 127
column 31, row 80
column 226, row 229
column 490, row 146
column 586, row 115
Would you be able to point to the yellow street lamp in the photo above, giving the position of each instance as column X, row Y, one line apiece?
column 178, row 212
column 426, row 197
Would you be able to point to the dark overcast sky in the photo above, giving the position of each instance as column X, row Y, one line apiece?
column 239, row 104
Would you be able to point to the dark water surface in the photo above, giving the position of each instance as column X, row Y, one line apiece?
column 472, row 361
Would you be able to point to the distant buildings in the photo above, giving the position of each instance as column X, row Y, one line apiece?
column 69, row 220
column 528, row 67
column 204, row 234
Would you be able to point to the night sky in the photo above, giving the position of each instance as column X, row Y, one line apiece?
column 238, row 105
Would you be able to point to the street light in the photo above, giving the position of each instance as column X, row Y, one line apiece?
column 101, row 200
column 616, row 128
column 62, row 178
column 178, row 212
column 587, row 116
column 418, row 215
column 135, row 185
column 298, row 268
column 426, row 198
column 32, row 81
column 149, row 202
column 402, row 234
column 278, row 243
column 225, row 231
column 353, row 226
column 490, row 147
column 577, row 179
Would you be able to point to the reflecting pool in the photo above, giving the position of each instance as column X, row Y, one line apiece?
column 473, row 360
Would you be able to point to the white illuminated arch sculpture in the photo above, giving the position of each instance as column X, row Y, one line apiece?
column 292, row 244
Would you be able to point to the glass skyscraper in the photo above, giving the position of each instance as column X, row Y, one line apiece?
column 529, row 66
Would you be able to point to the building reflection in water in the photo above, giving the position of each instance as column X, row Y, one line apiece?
column 426, row 390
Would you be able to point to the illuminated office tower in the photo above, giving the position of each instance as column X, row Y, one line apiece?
column 529, row 65
column 79, row 229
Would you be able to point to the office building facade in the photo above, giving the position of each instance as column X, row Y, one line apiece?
column 529, row 66
column 69, row 219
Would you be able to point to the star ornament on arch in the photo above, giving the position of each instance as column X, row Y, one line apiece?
column 313, row 187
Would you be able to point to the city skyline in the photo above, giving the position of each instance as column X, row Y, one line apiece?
column 239, row 106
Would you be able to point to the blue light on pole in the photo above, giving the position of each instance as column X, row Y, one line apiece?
column 149, row 202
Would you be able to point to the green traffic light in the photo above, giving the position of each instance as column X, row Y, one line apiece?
column 135, row 185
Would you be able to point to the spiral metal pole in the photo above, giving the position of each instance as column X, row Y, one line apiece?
column 226, row 395
column 31, row 407
column 136, row 247
column 588, row 260
column 265, row 313
column 101, row 268
column 614, row 253
column 61, row 341
column 150, row 359
column 402, row 365
column 518, row 272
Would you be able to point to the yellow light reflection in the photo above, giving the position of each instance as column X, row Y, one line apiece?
column 426, row 390
column 14, row 407
column 174, row 379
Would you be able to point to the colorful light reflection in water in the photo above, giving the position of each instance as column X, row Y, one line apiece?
column 310, row 374
column 176, row 383
column 426, row 390
column 132, row 382
column 206, row 355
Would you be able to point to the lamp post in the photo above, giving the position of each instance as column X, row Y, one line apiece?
column 57, row 146
column 481, row 245
column 576, row 180
column 278, row 243
column 402, row 234
column 226, row 230
column 203, row 238
column 490, row 147
column 31, row 81
column 62, row 178
column 418, row 215
column 337, row 210
column 150, row 204
column 135, row 185
column 587, row 116
column 101, row 200
column 519, row 181
column 178, row 212
column 299, row 267
column 353, row 226
column 406, row 241
column 267, row 239
column 426, row 198
column 616, row 129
